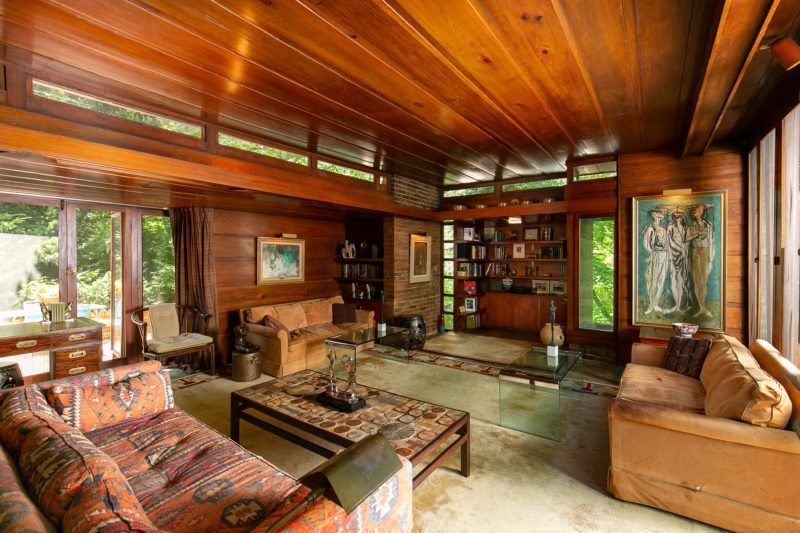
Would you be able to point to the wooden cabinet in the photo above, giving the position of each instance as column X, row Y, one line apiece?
column 75, row 346
column 521, row 312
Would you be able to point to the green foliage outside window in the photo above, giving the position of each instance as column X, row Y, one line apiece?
column 596, row 274
column 345, row 171
column 261, row 149
column 448, row 285
column 530, row 185
column 158, row 260
column 488, row 189
column 85, row 101
column 448, row 321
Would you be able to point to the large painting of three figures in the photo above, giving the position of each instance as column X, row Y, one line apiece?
column 679, row 259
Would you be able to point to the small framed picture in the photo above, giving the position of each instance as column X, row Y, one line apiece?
column 531, row 234
column 541, row 287
column 519, row 251
column 558, row 287
column 462, row 309
column 469, row 234
column 471, row 304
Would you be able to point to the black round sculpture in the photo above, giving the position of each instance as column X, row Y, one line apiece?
column 416, row 324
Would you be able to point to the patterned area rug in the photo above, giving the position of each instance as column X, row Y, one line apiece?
column 191, row 380
column 587, row 383
column 450, row 362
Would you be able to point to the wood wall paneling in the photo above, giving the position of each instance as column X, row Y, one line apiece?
column 650, row 174
column 234, row 240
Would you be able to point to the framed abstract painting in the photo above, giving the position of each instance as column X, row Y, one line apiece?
column 420, row 259
column 679, row 259
column 280, row 260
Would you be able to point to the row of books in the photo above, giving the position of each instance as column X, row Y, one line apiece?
column 469, row 269
column 471, row 251
column 361, row 270
column 472, row 321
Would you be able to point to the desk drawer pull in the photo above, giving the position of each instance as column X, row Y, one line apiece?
column 77, row 370
column 26, row 344
column 77, row 355
column 77, row 337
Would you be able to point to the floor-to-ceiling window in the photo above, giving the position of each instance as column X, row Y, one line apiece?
column 774, row 237
column 596, row 258
column 82, row 253
column 448, row 269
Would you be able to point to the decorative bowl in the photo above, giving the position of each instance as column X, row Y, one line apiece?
column 685, row 329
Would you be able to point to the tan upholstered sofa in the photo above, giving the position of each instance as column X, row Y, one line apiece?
column 301, row 344
column 666, row 452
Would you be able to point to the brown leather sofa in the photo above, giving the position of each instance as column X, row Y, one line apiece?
column 301, row 344
column 666, row 452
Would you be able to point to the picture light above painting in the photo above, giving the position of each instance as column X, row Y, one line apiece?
column 280, row 260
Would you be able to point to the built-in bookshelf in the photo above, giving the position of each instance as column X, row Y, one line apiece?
column 494, row 258
column 361, row 277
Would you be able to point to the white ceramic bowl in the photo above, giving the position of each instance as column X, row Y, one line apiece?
column 684, row 329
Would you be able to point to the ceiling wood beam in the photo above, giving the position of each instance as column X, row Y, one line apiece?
column 16, row 134
column 741, row 27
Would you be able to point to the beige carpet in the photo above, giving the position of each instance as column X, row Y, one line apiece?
column 483, row 347
column 519, row 482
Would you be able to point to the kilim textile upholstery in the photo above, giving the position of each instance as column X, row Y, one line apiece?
column 157, row 469
column 673, row 456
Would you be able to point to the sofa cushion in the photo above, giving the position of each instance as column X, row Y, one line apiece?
column 686, row 356
column 255, row 315
column 273, row 322
column 18, row 513
column 188, row 477
column 103, row 377
column 179, row 342
column 784, row 371
column 56, row 461
column 659, row 386
column 107, row 505
column 738, row 388
column 292, row 316
column 19, row 414
column 88, row 408
column 318, row 312
column 344, row 313
column 164, row 320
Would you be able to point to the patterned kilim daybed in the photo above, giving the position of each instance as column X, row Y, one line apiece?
column 109, row 451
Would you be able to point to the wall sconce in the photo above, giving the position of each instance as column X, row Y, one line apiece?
column 786, row 52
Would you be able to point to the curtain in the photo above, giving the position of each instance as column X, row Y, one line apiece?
column 195, row 273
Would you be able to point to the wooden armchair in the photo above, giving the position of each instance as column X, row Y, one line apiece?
column 167, row 341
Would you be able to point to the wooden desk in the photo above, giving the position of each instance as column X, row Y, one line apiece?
column 75, row 346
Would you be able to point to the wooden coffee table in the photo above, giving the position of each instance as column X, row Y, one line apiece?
column 417, row 430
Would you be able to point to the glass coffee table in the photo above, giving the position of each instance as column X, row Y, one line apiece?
column 394, row 340
column 531, row 389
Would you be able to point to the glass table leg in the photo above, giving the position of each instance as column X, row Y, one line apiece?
column 530, row 406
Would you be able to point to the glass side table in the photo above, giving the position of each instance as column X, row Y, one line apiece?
column 531, row 390
column 393, row 340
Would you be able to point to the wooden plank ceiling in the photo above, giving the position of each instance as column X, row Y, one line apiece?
column 446, row 92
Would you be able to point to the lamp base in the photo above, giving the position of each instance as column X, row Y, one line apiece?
column 340, row 404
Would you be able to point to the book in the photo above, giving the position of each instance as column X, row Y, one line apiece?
column 470, row 288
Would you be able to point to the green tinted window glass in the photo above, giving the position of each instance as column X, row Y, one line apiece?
column 448, row 250
column 448, row 321
column 449, row 232
column 448, row 304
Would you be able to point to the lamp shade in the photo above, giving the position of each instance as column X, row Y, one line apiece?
column 786, row 51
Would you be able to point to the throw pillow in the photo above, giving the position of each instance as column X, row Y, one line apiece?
column 273, row 322
column 686, row 356
column 344, row 313
column 89, row 408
